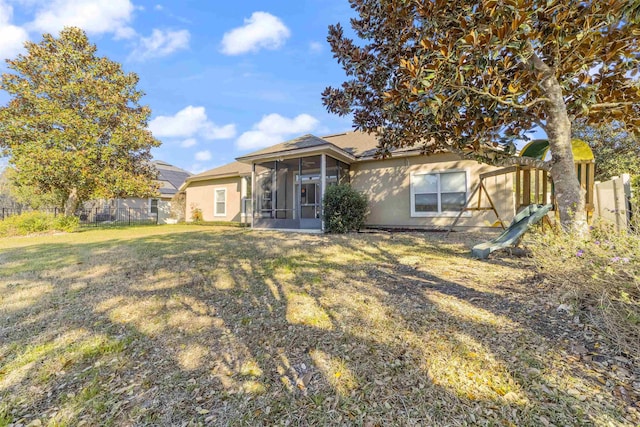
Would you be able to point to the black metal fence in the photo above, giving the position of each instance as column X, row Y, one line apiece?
column 96, row 216
column 7, row 212
column 113, row 216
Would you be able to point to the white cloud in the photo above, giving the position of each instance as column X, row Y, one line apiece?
column 262, row 30
column 203, row 156
column 197, row 168
column 316, row 47
column 93, row 16
column 189, row 142
column 254, row 140
column 160, row 43
column 273, row 129
column 211, row 131
column 158, row 7
column 189, row 122
column 12, row 37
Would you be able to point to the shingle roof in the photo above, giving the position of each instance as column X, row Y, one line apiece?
column 304, row 141
column 357, row 144
column 170, row 177
column 228, row 170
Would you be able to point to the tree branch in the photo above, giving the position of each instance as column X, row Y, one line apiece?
column 503, row 161
column 612, row 105
column 524, row 161
column 541, row 125
column 499, row 100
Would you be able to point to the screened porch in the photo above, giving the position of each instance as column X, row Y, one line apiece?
column 287, row 193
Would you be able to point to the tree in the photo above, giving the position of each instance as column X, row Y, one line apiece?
column 464, row 75
column 17, row 197
column 74, row 127
column 616, row 150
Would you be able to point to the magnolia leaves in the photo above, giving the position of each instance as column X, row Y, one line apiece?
column 465, row 70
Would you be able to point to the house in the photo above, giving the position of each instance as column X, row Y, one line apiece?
column 281, row 187
column 170, row 179
column 221, row 194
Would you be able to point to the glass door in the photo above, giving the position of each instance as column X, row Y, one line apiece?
column 309, row 200
column 308, row 195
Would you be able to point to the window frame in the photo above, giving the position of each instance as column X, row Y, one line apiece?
column 215, row 202
column 440, row 212
column 151, row 199
column 246, row 196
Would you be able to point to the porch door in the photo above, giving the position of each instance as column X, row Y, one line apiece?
column 310, row 204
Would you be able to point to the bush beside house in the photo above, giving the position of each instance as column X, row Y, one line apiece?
column 345, row 209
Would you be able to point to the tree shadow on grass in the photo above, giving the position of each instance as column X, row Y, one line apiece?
column 237, row 327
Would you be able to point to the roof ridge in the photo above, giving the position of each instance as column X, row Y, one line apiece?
column 336, row 134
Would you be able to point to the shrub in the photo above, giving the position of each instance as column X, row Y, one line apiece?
column 66, row 223
column 36, row 222
column 196, row 214
column 33, row 222
column 600, row 276
column 345, row 209
column 8, row 228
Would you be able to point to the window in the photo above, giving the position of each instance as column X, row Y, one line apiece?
column 220, row 202
column 247, row 183
column 246, row 198
column 438, row 193
column 153, row 206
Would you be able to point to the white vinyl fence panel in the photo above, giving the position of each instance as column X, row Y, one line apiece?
column 611, row 201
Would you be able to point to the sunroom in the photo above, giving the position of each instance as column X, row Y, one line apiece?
column 288, row 183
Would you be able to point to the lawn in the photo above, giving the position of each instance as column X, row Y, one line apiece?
column 187, row 325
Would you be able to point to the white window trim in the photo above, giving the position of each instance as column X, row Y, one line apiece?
column 244, row 187
column 215, row 202
column 157, row 204
column 445, row 214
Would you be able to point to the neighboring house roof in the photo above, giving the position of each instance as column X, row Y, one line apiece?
column 226, row 171
column 170, row 177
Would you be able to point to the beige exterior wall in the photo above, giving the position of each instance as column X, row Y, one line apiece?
column 164, row 206
column 139, row 207
column 387, row 185
column 201, row 194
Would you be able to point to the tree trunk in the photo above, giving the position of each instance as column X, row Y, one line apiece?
column 569, row 194
column 71, row 205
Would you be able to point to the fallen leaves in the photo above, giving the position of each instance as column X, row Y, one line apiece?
column 402, row 330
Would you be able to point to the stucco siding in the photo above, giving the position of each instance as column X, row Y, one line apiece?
column 387, row 183
column 142, row 205
column 201, row 194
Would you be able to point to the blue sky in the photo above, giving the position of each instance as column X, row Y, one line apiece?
column 222, row 78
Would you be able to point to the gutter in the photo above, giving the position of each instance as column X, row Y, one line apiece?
column 295, row 152
column 210, row 177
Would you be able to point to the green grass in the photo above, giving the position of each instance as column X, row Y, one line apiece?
column 223, row 325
